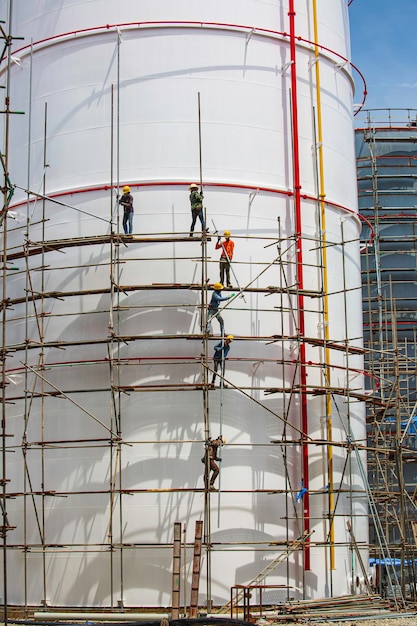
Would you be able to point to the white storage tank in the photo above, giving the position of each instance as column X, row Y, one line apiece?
column 108, row 403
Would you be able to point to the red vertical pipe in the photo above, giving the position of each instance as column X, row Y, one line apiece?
column 300, row 280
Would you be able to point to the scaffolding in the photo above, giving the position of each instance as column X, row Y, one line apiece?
column 387, row 174
column 40, row 388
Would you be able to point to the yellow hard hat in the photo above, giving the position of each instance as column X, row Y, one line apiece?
column 193, row 186
column 230, row 337
column 217, row 286
column 226, row 233
column 222, row 438
column 126, row 189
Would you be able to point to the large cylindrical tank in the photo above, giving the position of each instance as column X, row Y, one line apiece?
column 108, row 406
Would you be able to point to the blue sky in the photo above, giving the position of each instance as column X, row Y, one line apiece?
column 384, row 48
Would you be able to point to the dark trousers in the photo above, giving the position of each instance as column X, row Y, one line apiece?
column 197, row 213
column 215, row 313
column 215, row 468
column 128, row 222
column 216, row 365
column 224, row 269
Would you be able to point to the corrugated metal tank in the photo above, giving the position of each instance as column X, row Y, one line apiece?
column 112, row 95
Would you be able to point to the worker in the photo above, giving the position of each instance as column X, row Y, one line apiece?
column 126, row 201
column 212, row 451
column 196, row 200
column 213, row 309
column 221, row 350
column 226, row 256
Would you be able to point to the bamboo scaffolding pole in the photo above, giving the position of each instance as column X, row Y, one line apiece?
column 132, row 492
column 62, row 344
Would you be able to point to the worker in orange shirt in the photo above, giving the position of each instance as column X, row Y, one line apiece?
column 227, row 246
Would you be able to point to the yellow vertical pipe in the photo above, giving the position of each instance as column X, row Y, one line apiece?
column 322, row 195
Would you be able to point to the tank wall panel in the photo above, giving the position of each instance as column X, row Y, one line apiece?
column 106, row 331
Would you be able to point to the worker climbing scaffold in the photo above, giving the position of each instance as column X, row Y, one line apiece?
column 213, row 308
column 210, row 460
column 221, row 350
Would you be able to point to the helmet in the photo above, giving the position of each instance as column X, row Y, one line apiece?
column 126, row 189
column 217, row 286
column 222, row 439
column 193, row 186
column 226, row 233
column 230, row 337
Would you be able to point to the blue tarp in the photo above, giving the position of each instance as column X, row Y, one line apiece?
column 395, row 562
column 410, row 427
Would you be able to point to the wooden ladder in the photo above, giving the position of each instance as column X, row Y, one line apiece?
column 195, row 580
column 176, row 572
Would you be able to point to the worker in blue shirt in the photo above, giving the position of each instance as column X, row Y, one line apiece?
column 221, row 350
column 213, row 308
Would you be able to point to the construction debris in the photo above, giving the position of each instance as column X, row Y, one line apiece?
column 354, row 607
